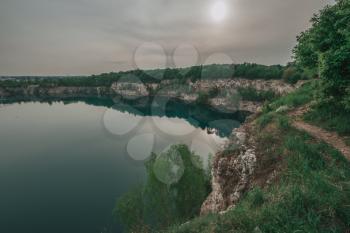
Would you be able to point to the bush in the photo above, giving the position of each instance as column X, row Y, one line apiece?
column 325, row 48
column 292, row 75
column 202, row 98
column 251, row 94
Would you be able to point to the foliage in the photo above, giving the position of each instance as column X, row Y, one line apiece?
column 325, row 49
column 252, row 94
column 159, row 203
column 301, row 96
column 204, row 96
column 256, row 71
column 292, row 74
column 129, row 212
column 180, row 75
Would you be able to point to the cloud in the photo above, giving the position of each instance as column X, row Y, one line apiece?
column 43, row 37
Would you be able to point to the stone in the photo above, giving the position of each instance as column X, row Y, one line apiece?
column 282, row 109
column 231, row 175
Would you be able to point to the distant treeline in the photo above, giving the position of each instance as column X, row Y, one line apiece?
column 216, row 71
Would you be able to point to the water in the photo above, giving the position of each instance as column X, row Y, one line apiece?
column 64, row 164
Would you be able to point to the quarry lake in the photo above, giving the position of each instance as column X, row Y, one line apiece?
column 63, row 164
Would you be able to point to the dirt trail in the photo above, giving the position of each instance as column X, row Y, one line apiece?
column 331, row 138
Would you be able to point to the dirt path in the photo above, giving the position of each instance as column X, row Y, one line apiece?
column 331, row 138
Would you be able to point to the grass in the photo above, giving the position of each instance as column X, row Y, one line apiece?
column 311, row 192
column 330, row 117
column 300, row 97
column 311, row 195
column 265, row 119
column 251, row 94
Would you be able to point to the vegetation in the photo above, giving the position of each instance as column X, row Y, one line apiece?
column 255, row 71
column 180, row 76
column 251, row 94
column 169, row 196
column 311, row 192
column 324, row 50
column 331, row 118
column 293, row 202
column 301, row 96
column 292, row 74
column 204, row 96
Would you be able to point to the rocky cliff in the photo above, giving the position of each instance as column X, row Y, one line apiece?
column 232, row 171
column 187, row 92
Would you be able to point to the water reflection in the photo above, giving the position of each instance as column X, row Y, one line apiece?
column 204, row 117
column 60, row 163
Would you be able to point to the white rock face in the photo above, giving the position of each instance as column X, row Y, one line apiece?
column 129, row 89
column 283, row 108
column 231, row 175
column 277, row 86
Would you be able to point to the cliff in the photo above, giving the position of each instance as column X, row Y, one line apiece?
column 188, row 92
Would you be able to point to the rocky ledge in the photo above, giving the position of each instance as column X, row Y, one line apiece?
column 231, row 173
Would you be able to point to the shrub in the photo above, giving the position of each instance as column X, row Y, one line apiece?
column 202, row 98
column 251, row 94
column 325, row 48
column 264, row 120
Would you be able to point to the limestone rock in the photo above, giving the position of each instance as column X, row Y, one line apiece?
column 231, row 175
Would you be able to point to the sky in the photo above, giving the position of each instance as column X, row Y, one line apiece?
column 81, row 37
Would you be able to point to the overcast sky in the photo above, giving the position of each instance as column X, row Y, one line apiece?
column 59, row 37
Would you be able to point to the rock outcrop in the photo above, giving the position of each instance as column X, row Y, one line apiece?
column 232, row 172
column 186, row 92
column 278, row 86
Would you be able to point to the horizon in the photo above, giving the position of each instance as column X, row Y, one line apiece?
column 121, row 71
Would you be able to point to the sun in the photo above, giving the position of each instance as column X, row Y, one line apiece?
column 218, row 11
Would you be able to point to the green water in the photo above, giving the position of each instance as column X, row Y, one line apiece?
column 64, row 164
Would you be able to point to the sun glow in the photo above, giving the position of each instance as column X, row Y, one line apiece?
column 218, row 11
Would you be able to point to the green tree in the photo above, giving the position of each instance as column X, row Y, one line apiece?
column 325, row 49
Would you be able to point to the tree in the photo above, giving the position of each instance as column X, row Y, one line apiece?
column 325, row 49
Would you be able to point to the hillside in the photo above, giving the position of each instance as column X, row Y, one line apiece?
column 278, row 177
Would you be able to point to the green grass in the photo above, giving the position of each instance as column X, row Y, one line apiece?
column 251, row 94
column 330, row 117
column 312, row 195
column 281, row 119
column 265, row 119
column 312, row 192
column 300, row 97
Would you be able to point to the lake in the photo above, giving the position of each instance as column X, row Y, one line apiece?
column 63, row 164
